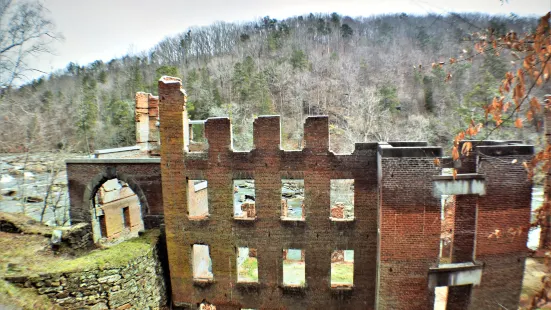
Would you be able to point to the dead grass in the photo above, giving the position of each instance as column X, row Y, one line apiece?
column 12, row 297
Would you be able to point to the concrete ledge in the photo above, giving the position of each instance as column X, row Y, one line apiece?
column 408, row 143
column 505, row 150
column 461, row 176
column 455, row 274
column 490, row 142
column 463, row 184
column 386, row 150
column 117, row 150
column 113, row 161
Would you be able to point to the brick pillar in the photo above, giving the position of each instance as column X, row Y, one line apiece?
column 317, row 183
column 146, row 114
column 409, row 227
column 142, row 119
column 545, row 235
column 153, row 137
column 501, row 225
column 316, row 133
column 171, row 104
column 266, row 140
column 217, row 231
column 459, row 297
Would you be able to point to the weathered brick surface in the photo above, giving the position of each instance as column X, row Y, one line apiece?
column 464, row 228
column 505, row 210
column 392, row 194
column 146, row 113
column 409, row 232
column 267, row 165
column 86, row 177
column 459, row 297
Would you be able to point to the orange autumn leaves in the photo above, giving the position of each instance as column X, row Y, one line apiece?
column 534, row 51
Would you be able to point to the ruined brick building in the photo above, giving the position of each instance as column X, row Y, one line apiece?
column 292, row 234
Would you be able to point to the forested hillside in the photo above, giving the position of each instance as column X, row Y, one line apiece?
column 373, row 76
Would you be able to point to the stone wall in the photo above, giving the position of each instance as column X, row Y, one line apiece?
column 74, row 238
column 138, row 284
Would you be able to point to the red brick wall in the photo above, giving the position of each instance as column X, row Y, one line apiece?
column 171, row 105
column 409, row 223
column 146, row 113
column 85, row 176
column 267, row 165
column 392, row 193
column 459, row 297
column 504, row 208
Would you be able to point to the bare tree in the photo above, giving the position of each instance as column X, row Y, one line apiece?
column 25, row 31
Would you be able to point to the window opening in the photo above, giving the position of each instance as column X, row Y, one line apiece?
column 247, row 265
column 292, row 199
column 202, row 263
column 197, row 195
column 342, row 268
column 342, row 199
column 244, row 205
column 294, row 268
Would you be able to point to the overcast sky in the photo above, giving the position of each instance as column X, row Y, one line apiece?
column 105, row 29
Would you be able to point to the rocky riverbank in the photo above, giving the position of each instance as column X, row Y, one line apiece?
column 35, row 184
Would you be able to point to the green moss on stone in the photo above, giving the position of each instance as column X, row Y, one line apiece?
column 115, row 256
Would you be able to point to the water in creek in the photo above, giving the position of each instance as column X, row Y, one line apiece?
column 534, row 233
column 25, row 180
column 244, row 190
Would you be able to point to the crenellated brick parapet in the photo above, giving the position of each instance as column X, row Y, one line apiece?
column 394, row 231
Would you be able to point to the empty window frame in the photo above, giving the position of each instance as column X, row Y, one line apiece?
column 294, row 268
column 244, row 206
column 197, row 140
column 197, row 198
column 342, row 200
column 202, row 264
column 446, row 233
column 292, row 199
column 247, row 265
column 440, row 297
column 342, row 268
column 102, row 226
column 126, row 217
